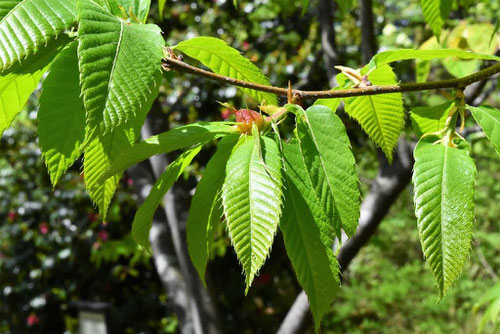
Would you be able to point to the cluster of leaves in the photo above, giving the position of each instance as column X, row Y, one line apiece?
column 102, row 81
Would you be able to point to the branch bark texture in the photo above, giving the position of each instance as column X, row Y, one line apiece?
column 170, row 63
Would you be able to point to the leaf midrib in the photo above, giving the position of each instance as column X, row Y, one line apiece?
column 250, row 202
column 115, row 60
column 323, row 167
column 379, row 125
column 443, row 185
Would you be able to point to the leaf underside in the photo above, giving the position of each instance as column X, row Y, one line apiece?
column 61, row 116
column 206, row 210
column 17, row 86
column 224, row 60
column 444, row 191
column 430, row 119
column 252, row 198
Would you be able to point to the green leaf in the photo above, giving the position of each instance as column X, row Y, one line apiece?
column 14, row 92
column 143, row 219
column 161, row 8
column 305, row 5
column 380, row 116
column 61, row 117
column 30, row 26
column 6, row 6
column 387, row 57
column 436, row 12
column 489, row 120
column 140, row 8
column 252, row 198
column 206, row 210
column 345, row 6
column 17, row 86
column 119, row 66
column 430, row 119
column 102, row 151
column 224, row 60
column 443, row 178
column 331, row 166
column 495, row 30
column 308, row 235
column 175, row 139
column 491, row 300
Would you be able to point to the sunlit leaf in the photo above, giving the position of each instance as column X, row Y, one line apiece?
column 443, row 178
column 252, row 199
column 61, row 117
column 206, row 210
column 224, row 60
column 143, row 219
column 119, row 64
column 489, row 120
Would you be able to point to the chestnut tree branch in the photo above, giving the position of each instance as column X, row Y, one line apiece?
column 170, row 63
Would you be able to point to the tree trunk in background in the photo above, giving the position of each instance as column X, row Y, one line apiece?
column 326, row 11
column 386, row 187
column 192, row 303
column 368, row 40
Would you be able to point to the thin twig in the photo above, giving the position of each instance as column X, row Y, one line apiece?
column 170, row 63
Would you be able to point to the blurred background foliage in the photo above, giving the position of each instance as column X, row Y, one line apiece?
column 54, row 248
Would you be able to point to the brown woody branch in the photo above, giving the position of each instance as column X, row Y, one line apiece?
column 178, row 65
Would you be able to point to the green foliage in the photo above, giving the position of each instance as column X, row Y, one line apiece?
column 205, row 212
column 119, row 66
column 491, row 299
column 6, row 6
column 252, row 199
column 96, row 96
column 444, row 192
column 182, row 137
column 436, row 12
column 139, row 8
column 308, row 235
column 17, row 86
column 223, row 59
column 430, row 119
column 61, row 118
column 30, row 26
column 387, row 57
column 143, row 219
column 330, row 165
column 101, row 152
column 489, row 120
column 161, row 7
column 380, row 116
